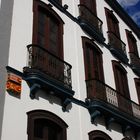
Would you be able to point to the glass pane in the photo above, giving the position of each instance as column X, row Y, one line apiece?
column 41, row 29
column 47, row 130
column 41, row 39
column 53, row 38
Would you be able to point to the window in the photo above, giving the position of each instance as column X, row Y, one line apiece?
column 137, row 84
column 93, row 60
column 133, row 51
column 121, row 82
column 48, row 36
column 93, row 69
column 90, row 4
column 114, row 33
column 132, row 43
column 98, row 135
column 112, row 22
column 44, row 125
column 47, row 28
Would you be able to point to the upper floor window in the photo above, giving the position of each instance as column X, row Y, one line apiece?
column 44, row 125
column 117, row 46
column 137, row 84
column 132, row 43
column 93, row 60
column 93, row 69
column 121, row 82
column 90, row 4
column 112, row 22
column 47, row 28
column 98, row 135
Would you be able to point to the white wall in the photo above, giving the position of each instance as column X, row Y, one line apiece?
column 78, row 118
column 6, row 8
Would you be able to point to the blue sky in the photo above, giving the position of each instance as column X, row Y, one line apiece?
column 133, row 9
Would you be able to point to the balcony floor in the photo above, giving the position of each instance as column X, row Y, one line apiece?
column 47, row 83
column 98, row 108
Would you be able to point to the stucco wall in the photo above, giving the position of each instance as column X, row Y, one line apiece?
column 18, row 35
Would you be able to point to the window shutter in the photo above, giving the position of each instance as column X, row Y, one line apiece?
column 132, row 43
column 91, row 4
column 93, row 63
column 137, row 84
column 112, row 22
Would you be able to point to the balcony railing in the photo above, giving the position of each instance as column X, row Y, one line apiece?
column 42, row 61
column 97, row 90
column 89, row 17
column 116, row 43
column 134, row 60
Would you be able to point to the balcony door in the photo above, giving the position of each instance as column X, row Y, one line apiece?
column 132, row 43
column 90, row 4
column 137, row 84
column 133, row 49
column 93, row 69
column 47, row 28
column 113, row 30
column 48, row 34
column 121, row 83
column 112, row 22
column 93, row 60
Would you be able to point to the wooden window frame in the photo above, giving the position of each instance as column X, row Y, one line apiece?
column 98, row 134
column 42, row 114
column 37, row 5
column 132, row 42
column 86, row 40
column 116, row 65
column 112, row 22
column 137, row 83
column 93, row 6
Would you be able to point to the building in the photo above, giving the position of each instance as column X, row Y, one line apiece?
column 69, row 69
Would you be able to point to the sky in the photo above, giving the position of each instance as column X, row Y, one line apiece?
column 132, row 7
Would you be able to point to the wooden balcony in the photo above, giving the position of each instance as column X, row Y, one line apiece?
column 135, row 63
column 90, row 23
column 48, row 72
column 117, row 47
column 105, row 101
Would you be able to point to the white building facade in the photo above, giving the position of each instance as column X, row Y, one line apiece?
column 68, row 70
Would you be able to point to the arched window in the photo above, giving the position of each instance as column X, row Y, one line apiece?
column 44, row 125
column 93, row 60
column 94, row 74
column 114, row 38
column 47, row 28
column 112, row 22
column 121, row 83
column 98, row 135
column 120, row 76
column 90, row 4
column 137, row 85
column 133, row 51
column 132, row 43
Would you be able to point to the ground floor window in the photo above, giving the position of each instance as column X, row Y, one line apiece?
column 44, row 125
column 98, row 135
